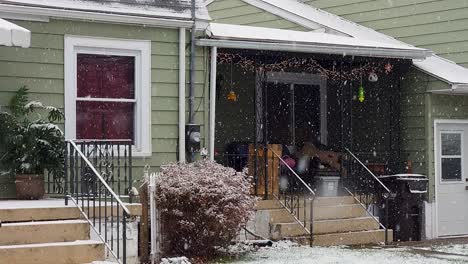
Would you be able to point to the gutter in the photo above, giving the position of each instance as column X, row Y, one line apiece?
column 98, row 16
column 317, row 48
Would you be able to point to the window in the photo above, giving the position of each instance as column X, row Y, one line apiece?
column 451, row 156
column 107, row 90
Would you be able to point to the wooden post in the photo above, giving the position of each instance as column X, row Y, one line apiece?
column 144, row 225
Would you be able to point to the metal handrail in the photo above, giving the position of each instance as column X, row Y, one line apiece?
column 98, row 175
column 293, row 202
column 294, row 173
column 385, row 196
column 368, row 170
column 88, row 185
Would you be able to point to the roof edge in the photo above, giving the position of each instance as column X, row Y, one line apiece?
column 111, row 17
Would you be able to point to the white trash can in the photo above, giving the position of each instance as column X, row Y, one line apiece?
column 328, row 186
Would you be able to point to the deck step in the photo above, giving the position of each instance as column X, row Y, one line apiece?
column 38, row 214
column 372, row 237
column 75, row 252
column 43, row 232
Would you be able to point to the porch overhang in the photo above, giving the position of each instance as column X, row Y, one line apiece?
column 447, row 71
column 257, row 38
column 14, row 35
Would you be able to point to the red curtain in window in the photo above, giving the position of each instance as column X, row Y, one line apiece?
column 109, row 77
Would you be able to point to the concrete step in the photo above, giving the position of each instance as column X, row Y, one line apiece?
column 280, row 230
column 337, row 212
column 334, row 201
column 318, row 201
column 75, row 252
column 43, row 232
column 320, row 213
column 372, row 237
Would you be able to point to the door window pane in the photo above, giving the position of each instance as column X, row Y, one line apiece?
column 451, row 169
column 451, row 143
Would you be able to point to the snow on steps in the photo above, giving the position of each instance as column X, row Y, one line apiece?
column 43, row 232
column 337, row 221
column 370, row 237
column 75, row 252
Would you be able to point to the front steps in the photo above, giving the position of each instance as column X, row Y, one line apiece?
column 42, row 235
column 337, row 221
column 47, row 231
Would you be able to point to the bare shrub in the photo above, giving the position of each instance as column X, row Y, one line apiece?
column 203, row 206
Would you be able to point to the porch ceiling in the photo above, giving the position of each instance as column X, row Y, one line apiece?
column 248, row 37
column 14, row 35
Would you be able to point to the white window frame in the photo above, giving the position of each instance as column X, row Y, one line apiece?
column 442, row 156
column 141, row 51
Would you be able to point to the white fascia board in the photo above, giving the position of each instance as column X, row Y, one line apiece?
column 93, row 16
column 290, row 16
column 14, row 35
column 316, row 48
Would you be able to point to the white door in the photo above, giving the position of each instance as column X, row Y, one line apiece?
column 451, row 179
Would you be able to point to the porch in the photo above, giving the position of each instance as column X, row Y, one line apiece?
column 310, row 117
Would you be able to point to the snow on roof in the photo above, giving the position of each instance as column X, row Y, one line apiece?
column 330, row 43
column 178, row 9
column 14, row 35
column 436, row 66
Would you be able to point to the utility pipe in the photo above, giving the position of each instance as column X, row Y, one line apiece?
column 214, row 54
column 182, row 94
column 192, row 66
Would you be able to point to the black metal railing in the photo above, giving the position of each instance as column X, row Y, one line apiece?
column 367, row 189
column 112, row 158
column 94, row 178
column 295, row 195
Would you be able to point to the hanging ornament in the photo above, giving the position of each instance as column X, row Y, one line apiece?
column 373, row 77
column 388, row 68
column 361, row 93
column 232, row 96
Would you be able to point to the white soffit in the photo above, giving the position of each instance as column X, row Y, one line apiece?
column 445, row 70
column 248, row 37
column 14, row 35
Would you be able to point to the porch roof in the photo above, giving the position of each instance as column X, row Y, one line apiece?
column 304, row 14
column 249, row 37
column 14, row 35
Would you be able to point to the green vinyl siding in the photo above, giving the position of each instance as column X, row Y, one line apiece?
column 41, row 69
column 441, row 26
column 238, row 12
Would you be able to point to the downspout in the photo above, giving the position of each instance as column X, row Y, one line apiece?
column 214, row 54
column 192, row 66
column 182, row 42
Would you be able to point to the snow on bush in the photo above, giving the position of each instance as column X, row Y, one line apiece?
column 203, row 206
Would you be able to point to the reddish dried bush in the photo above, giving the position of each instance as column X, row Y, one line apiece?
column 203, row 206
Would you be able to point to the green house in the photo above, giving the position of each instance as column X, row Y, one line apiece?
column 360, row 86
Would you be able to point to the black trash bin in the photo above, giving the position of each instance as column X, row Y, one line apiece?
column 405, row 205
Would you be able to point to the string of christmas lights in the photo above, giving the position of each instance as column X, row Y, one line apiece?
column 307, row 65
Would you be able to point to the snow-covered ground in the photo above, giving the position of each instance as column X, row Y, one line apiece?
column 292, row 254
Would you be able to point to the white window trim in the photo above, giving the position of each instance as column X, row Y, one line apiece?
column 441, row 156
column 141, row 50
